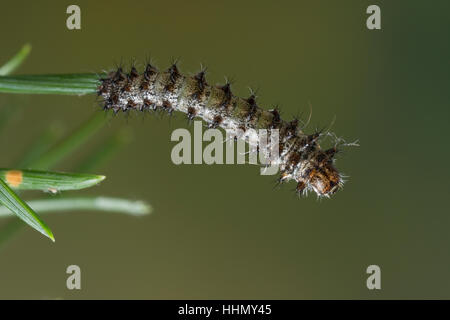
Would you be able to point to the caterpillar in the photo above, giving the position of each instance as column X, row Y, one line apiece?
column 300, row 156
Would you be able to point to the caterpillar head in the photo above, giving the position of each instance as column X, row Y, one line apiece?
column 320, row 175
column 325, row 180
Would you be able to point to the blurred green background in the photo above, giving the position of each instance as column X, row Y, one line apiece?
column 223, row 231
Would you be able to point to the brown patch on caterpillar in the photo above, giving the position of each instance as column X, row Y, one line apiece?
column 191, row 113
column 227, row 96
column 145, row 85
column 148, row 104
column 327, row 155
column 301, row 186
column 276, row 119
column 174, row 75
column 131, row 104
column 252, row 108
column 283, row 177
column 133, row 74
column 127, row 87
column 216, row 121
column 114, row 99
column 201, row 84
column 118, row 76
column 130, row 78
column 251, row 100
column 246, row 112
column 294, row 159
column 167, row 106
column 150, row 72
column 324, row 180
column 14, row 178
column 301, row 157
column 242, row 128
column 331, row 152
column 226, row 91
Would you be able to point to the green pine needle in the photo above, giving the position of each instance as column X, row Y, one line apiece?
column 47, row 180
column 15, row 61
column 67, row 84
column 12, row 201
column 106, row 204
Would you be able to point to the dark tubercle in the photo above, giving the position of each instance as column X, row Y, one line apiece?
column 200, row 85
column 227, row 95
column 149, row 72
column 276, row 119
column 133, row 74
column 191, row 113
column 253, row 108
column 174, row 75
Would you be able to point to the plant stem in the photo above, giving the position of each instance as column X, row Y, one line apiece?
column 71, row 143
column 107, row 204
column 69, row 84
column 15, row 61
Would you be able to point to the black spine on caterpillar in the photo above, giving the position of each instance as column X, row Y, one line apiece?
column 301, row 157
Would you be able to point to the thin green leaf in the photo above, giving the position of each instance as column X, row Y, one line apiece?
column 68, row 84
column 12, row 201
column 105, row 151
column 70, row 143
column 47, row 180
column 15, row 61
column 107, row 204
column 40, row 146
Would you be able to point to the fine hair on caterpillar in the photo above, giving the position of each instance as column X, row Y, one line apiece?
column 300, row 156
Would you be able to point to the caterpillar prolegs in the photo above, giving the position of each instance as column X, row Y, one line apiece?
column 300, row 156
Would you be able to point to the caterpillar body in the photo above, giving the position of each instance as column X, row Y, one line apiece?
column 300, row 156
